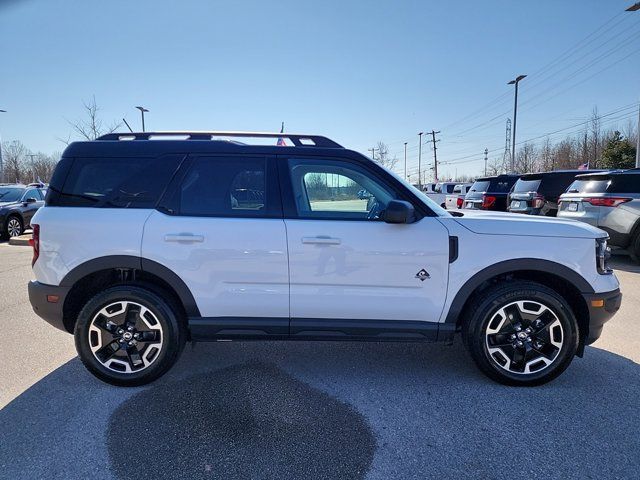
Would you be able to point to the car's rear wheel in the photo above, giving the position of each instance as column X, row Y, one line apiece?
column 13, row 226
column 634, row 246
column 128, row 335
column 521, row 333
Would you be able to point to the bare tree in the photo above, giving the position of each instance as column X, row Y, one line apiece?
column 43, row 166
column 596, row 139
column 13, row 155
column 495, row 167
column 547, row 157
column 384, row 158
column 527, row 159
column 92, row 126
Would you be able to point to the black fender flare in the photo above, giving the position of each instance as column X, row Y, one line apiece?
column 135, row 263
column 512, row 266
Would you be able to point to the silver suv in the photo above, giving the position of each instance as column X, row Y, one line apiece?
column 610, row 201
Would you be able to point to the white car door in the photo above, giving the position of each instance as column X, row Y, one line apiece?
column 345, row 263
column 224, row 236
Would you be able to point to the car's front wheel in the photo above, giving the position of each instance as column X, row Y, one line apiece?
column 13, row 226
column 521, row 333
column 128, row 335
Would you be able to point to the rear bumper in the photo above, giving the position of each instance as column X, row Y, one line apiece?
column 598, row 316
column 40, row 295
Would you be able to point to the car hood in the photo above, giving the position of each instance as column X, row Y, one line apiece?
column 503, row 223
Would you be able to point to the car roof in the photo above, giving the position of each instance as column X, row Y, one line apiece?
column 610, row 173
column 503, row 175
column 538, row 175
column 158, row 143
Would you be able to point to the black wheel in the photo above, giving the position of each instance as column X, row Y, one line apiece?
column 128, row 335
column 521, row 333
column 13, row 226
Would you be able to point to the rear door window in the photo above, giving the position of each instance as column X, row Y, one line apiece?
column 115, row 182
column 225, row 187
column 625, row 183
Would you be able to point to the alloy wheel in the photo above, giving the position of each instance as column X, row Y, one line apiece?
column 524, row 337
column 125, row 337
column 13, row 227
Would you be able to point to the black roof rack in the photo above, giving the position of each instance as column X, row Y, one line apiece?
column 298, row 140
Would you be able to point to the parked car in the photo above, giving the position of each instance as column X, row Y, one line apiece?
column 18, row 204
column 145, row 244
column 609, row 201
column 490, row 193
column 456, row 199
column 538, row 193
column 440, row 192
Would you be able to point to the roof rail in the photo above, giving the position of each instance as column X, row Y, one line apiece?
column 297, row 139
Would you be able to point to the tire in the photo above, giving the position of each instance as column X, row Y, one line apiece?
column 634, row 247
column 129, row 335
column 13, row 226
column 521, row 333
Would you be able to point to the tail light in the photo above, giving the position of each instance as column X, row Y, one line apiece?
column 488, row 201
column 35, row 243
column 538, row 201
column 606, row 201
column 459, row 202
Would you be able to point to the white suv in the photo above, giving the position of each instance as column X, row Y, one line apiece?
column 146, row 244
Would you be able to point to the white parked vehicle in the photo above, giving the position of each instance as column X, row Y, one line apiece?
column 440, row 192
column 146, row 244
column 456, row 199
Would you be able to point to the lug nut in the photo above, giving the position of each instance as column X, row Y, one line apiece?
column 130, row 329
column 518, row 328
column 520, row 343
column 120, row 331
column 513, row 336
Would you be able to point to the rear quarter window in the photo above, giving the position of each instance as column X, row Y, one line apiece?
column 112, row 182
column 626, row 183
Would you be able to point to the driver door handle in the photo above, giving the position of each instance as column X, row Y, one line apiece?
column 184, row 238
column 321, row 240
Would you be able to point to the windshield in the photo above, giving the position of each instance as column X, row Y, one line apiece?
column 589, row 186
column 10, row 194
column 524, row 186
column 437, row 209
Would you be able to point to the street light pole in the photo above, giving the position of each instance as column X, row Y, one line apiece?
column 515, row 112
column 1, row 164
column 634, row 8
column 405, row 161
column 420, row 160
column 142, row 112
column 486, row 152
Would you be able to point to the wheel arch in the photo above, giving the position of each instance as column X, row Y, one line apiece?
column 567, row 282
column 88, row 278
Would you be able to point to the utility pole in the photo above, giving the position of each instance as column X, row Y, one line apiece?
column 435, row 155
column 637, row 135
column 373, row 152
column 486, row 152
column 420, row 160
column 405, row 161
column 515, row 82
column 1, row 164
column 33, row 170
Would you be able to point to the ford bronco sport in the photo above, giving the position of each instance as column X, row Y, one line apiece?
column 149, row 240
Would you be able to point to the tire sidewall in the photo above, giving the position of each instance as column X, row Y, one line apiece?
column 173, row 339
column 477, row 336
column 6, row 225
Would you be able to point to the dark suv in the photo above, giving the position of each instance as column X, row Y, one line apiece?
column 18, row 204
column 490, row 193
column 538, row 193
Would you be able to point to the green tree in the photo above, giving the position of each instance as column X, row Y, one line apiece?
column 619, row 152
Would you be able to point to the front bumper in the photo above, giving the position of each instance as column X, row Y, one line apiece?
column 599, row 315
column 41, row 298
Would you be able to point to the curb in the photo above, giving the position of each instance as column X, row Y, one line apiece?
column 22, row 240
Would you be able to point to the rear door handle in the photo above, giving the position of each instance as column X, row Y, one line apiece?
column 321, row 240
column 184, row 238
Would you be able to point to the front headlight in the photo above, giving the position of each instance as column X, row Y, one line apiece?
column 603, row 253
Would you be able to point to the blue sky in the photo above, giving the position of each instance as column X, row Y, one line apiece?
column 356, row 71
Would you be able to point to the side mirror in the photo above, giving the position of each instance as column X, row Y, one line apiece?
column 30, row 200
column 399, row 211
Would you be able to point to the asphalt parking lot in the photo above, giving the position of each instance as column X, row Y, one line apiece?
column 312, row 410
